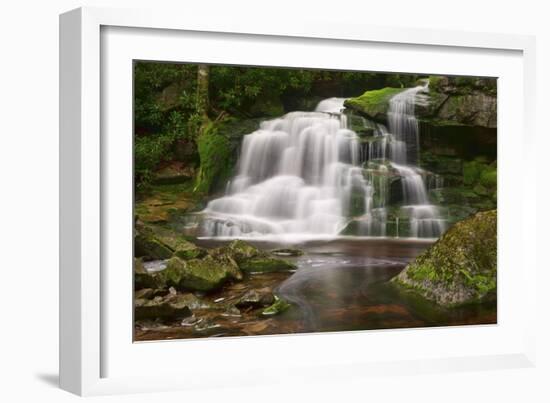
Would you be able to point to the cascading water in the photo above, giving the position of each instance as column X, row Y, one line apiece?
column 425, row 218
column 295, row 176
column 303, row 175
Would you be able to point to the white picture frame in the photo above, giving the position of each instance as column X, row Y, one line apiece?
column 90, row 335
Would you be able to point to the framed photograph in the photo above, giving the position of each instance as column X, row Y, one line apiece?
column 295, row 197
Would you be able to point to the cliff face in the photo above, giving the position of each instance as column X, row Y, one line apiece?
column 461, row 101
column 459, row 118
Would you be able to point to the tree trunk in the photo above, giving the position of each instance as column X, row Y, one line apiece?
column 203, row 74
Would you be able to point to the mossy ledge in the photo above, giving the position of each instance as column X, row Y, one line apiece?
column 461, row 267
column 373, row 104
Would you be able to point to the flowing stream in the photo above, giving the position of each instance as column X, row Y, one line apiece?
column 306, row 175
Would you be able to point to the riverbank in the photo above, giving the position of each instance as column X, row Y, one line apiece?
column 339, row 285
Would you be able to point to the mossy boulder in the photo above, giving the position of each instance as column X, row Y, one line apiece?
column 143, row 279
column 148, row 247
column 206, row 274
column 181, row 247
column 266, row 264
column 373, row 104
column 159, row 243
column 251, row 259
column 461, row 267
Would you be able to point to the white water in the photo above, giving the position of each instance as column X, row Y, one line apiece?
column 301, row 176
column 426, row 220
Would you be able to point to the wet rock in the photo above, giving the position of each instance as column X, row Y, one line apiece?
column 143, row 279
column 266, row 265
column 206, row 274
column 279, row 306
column 250, row 259
column 241, row 250
column 256, row 299
column 460, row 267
column 180, row 246
column 148, row 247
column 373, row 104
column 170, row 308
column 173, row 173
column 144, row 293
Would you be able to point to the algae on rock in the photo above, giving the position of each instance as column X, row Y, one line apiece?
column 460, row 267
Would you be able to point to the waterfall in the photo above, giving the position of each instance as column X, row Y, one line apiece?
column 296, row 175
column 425, row 218
column 304, row 175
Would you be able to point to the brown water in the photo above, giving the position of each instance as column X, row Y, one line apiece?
column 340, row 285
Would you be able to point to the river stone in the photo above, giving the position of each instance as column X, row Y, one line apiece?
column 149, row 248
column 181, row 247
column 266, row 265
column 171, row 307
column 250, row 259
column 461, row 267
column 279, row 306
column 256, row 298
column 204, row 274
column 143, row 279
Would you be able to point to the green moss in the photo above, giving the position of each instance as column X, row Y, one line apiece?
column 215, row 159
column 278, row 307
column 265, row 265
column 204, row 274
column 435, row 82
column 472, row 172
column 460, row 267
column 146, row 246
column 373, row 104
column 488, row 178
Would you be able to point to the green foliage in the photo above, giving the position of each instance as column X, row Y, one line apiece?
column 149, row 152
column 435, row 82
column 472, row 172
column 488, row 178
column 215, row 157
column 158, row 88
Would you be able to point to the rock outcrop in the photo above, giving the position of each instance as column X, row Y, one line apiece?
column 461, row 267
column 192, row 268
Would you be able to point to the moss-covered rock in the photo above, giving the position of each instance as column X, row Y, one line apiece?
column 144, row 280
column 265, row 265
column 180, row 246
column 148, row 247
column 256, row 299
column 159, row 243
column 241, row 250
column 279, row 306
column 373, row 104
column 252, row 260
column 204, row 274
column 460, row 267
column 172, row 307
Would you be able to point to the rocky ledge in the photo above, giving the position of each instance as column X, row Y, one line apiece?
column 461, row 267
